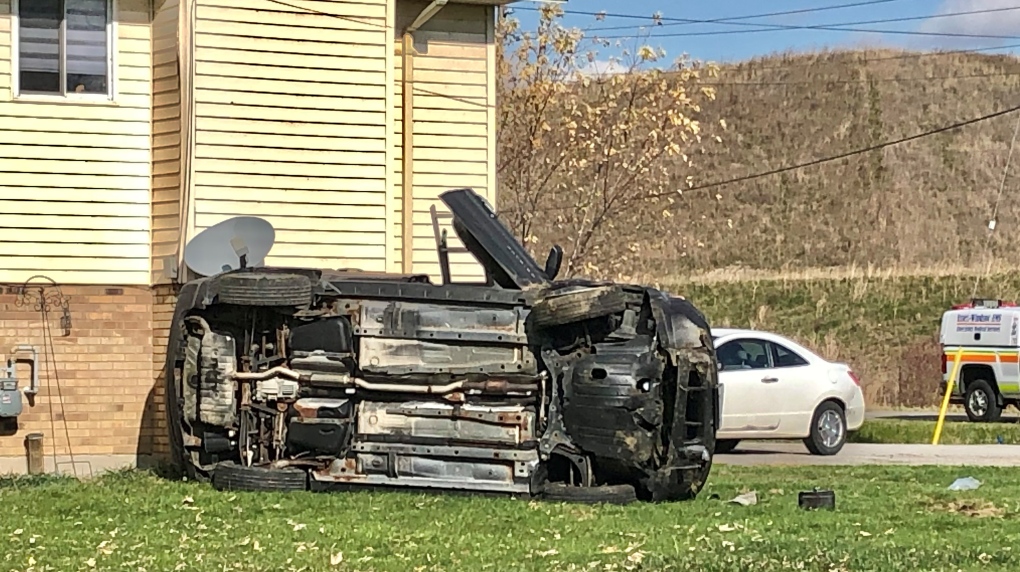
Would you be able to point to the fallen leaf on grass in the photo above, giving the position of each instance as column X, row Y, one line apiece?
column 865, row 533
column 336, row 559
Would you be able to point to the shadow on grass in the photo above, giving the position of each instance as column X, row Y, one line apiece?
column 950, row 418
column 18, row 481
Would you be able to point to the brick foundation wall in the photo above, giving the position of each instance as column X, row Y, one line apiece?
column 164, row 298
column 104, row 370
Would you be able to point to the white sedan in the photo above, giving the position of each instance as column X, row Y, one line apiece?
column 774, row 388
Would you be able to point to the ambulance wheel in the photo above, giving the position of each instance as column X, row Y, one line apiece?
column 981, row 402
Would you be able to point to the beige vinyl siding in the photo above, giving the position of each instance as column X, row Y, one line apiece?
column 166, row 136
column 74, row 176
column 291, row 112
column 453, row 112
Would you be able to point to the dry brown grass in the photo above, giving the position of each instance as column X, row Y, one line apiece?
column 918, row 205
column 859, row 257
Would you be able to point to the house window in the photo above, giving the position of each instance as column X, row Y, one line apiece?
column 63, row 46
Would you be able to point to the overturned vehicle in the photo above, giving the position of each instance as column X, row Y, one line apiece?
column 296, row 379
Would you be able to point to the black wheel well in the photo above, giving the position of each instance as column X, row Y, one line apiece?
column 973, row 372
column 839, row 403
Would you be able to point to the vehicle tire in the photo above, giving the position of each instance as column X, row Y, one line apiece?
column 291, row 290
column 981, row 402
column 181, row 465
column 608, row 494
column 724, row 446
column 828, row 430
column 234, row 477
column 577, row 306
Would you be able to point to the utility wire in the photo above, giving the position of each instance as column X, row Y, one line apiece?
column 658, row 22
column 763, row 27
column 50, row 350
column 847, row 154
column 995, row 210
column 838, row 27
column 330, row 14
column 905, row 56
column 830, row 158
column 862, row 80
column 866, row 60
column 857, row 23
column 483, row 105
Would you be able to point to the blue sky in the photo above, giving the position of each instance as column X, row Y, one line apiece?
column 733, row 47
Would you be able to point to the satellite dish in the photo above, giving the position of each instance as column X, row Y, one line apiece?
column 238, row 242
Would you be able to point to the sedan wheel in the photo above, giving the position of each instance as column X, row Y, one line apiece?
column 828, row 430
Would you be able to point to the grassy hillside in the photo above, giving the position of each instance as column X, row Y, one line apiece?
column 913, row 217
column 922, row 203
column 886, row 327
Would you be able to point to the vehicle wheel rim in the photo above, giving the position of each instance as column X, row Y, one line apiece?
column 978, row 403
column 830, row 428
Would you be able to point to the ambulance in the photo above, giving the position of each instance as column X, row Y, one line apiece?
column 989, row 376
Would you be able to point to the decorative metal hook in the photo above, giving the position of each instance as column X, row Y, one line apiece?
column 45, row 298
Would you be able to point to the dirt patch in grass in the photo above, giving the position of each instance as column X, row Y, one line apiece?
column 972, row 508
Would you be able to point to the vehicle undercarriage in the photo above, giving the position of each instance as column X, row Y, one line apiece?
column 281, row 379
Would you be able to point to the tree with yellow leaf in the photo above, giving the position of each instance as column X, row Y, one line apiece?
column 594, row 154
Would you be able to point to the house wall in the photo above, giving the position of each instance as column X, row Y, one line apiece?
column 96, row 398
column 309, row 144
column 166, row 214
column 454, row 123
column 74, row 176
column 291, row 115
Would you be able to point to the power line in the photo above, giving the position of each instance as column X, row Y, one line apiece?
column 745, row 17
column 330, row 14
column 847, row 154
column 475, row 103
column 763, row 27
column 831, row 158
column 862, row 80
column 867, row 60
column 657, row 21
column 995, row 208
column 858, row 23
column 838, row 27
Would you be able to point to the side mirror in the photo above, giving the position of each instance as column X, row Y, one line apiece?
column 552, row 264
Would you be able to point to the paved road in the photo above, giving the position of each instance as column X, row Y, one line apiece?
column 1008, row 416
column 794, row 453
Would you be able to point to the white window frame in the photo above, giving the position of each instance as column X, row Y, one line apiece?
column 111, row 67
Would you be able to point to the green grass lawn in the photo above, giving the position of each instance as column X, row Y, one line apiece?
column 953, row 432
column 887, row 518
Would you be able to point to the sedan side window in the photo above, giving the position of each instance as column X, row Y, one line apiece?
column 785, row 357
column 743, row 354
